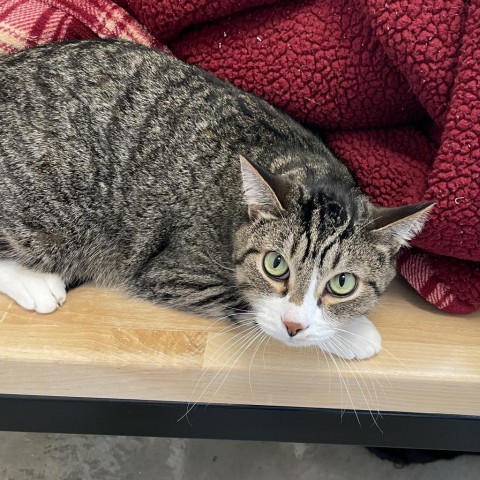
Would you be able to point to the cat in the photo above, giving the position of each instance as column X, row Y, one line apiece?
column 123, row 166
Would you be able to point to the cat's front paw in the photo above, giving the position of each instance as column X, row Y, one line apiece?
column 32, row 290
column 357, row 339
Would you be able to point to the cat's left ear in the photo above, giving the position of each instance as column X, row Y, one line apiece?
column 262, row 191
column 403, row 223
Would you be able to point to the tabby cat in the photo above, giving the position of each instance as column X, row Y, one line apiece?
column 123, row 166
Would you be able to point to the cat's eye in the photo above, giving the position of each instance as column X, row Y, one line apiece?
column 276, row 266
column 342, row 284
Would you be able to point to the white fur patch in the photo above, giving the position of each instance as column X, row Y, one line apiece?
column 42, row 292
column 358, row 338
column 355, row 339
column 270, row 312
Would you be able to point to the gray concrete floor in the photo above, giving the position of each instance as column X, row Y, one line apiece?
column 80, row 457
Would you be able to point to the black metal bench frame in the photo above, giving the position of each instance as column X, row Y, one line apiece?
column 28, row 413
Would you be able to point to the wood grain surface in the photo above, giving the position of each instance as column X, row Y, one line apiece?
column 103, row 344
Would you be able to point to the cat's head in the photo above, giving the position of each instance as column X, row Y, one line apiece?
column 312, row 257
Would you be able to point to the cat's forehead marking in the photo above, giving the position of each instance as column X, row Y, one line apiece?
column 323, row 205
column 325, row 222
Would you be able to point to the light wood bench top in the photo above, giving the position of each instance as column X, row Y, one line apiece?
column 104, row 345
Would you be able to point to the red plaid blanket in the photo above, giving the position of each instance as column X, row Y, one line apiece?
column 394, row 84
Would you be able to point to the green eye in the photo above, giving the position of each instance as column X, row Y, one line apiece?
column 276, row 266
column 342, row 284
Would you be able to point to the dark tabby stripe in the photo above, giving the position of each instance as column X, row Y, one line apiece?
column 327, row 248
column 221, row 298
column 4, row 245
column 336, row 260
column 197, row 285
column 375, row 287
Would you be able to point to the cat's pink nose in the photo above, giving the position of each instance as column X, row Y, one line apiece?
column 293, row 328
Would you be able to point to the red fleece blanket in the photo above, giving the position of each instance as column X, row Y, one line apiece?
column 395, row 85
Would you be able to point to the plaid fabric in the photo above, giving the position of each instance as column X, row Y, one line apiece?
column 25, row 23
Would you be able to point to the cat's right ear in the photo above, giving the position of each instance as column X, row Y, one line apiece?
column 402, row 223
column 262, row 191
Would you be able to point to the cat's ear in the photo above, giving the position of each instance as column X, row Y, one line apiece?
column 403, row 223
column 262, row 191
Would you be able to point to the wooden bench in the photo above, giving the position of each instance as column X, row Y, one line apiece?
column 105, row 363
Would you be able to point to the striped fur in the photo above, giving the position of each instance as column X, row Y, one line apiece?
column 120, row 165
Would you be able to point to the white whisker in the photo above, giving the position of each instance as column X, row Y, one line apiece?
column 262, row 339
column 338, row 342
column 327, row 342
column 317, row 348
column 243, row 349
column 223, row 349
column 364, row 338
column 264, row 347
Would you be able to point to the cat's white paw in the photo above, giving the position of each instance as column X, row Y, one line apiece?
column 357, row 339
column 42, row 292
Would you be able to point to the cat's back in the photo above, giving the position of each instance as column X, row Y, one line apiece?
column 102, row 80
column 105, row 72
column 91, row 104
column 102, row 110
column 94, row 72
column 79, row 59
